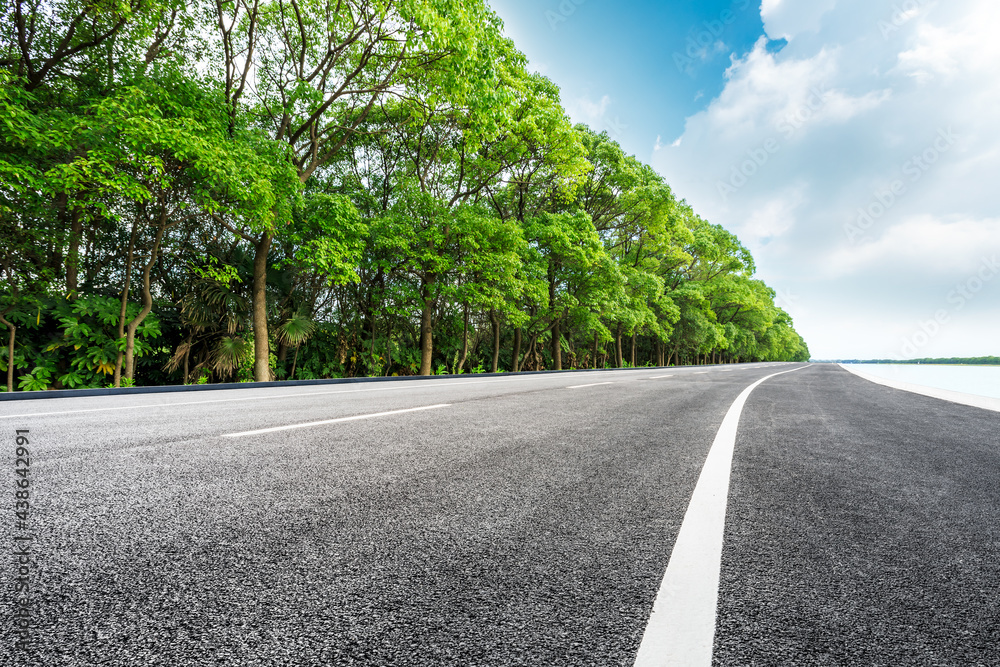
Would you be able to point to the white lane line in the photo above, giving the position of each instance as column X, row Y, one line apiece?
column 660, row 377
column 334, row 421
column 681, row 628
column 396, row 387
column 596, row 384
column 701, row 373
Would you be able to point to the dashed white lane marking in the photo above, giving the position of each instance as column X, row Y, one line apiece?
column 334, row 421
column 701, row 373
column 395, row 387
column 681, row 628
column 596, row 384
column 660, row 377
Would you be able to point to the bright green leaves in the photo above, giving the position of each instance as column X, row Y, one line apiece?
column 81, row 345
column 357, row 177
column 327, row 235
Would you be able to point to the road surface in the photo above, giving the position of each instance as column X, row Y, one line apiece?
column 503, row 521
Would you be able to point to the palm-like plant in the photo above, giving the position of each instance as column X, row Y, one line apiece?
column 229, row 354
column 295, row 331
column 213, row 313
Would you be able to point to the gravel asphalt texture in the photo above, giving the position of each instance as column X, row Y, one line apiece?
column 863, row 528
column 525, row 524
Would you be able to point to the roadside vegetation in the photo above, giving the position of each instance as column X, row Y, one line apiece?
column 246, row 190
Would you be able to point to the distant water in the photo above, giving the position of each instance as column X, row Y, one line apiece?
column 978, row 380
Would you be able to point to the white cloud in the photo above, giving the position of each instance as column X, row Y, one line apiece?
column 773, row 217
column 540, row 68
column 767, row 92
column 947, row 248
column 587, row 111
column 802, row 139
column 793, row 17
column 768, row 8
column 944, row 51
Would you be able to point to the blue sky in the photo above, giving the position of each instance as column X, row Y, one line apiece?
column 646, row 66
column 851, row 144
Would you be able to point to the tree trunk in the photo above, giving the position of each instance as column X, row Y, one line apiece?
column 556, row 319
column 295, row 360
column 495, row 321
column 557, row 345
column 187, row 358
column 388, row 347
column 10, row 350
column 530, row 355
column 261, row 347
column 618, row 349
column 515, row 361
column 147, row 301
column 465, row 340
column 593, row 361
column 633, row 349
column 73, row 254
column 123, row 312
column 427, row 326
column 371, row 354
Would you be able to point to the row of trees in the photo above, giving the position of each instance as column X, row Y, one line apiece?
column 250, row 189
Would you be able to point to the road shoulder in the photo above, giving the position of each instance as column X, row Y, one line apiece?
column 984, row 402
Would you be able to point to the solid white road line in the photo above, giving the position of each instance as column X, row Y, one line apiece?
column 596, row 384
column 334, row 421
column 681, row 628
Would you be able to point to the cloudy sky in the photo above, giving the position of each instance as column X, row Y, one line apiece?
column 853, row 145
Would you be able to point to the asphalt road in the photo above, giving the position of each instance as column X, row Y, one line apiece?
column 863, row 528
column 521, row 521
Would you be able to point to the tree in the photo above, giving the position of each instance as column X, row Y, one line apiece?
column 376, row 187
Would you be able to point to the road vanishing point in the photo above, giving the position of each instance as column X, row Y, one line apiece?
column 760, row 514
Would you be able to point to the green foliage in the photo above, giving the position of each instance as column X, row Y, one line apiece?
column 358, row 182
column 74, row 344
